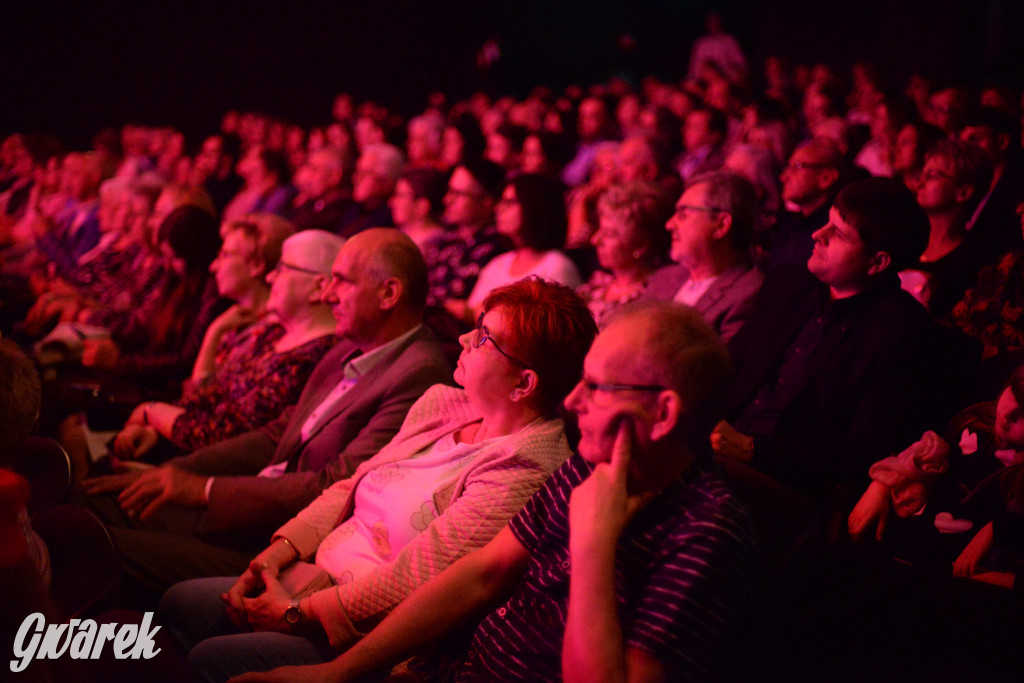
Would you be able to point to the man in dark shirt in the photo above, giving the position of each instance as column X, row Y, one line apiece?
column 634, row 560
column 836, row 367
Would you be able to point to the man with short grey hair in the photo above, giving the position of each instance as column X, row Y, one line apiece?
column 377, row 171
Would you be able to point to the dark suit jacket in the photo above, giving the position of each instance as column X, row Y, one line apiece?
column 725, row 305
column 363, row 421
column 869, row 388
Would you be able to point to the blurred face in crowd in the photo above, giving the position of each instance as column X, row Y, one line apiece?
column 984, row 137
column 403, row 204
column 590, row 123
column 618, row 243
column 805, row 179
column 508, row 215
column 904, row 156
column 451, row 147
column 937, row 191
column 533, row 159
column 500, row 151
column 1009, row 420
column 209, row 158
column 697, row 131
column 371, row 184
column 635, row 161
column 235, row 269
column 322, row 173
column 466, row 202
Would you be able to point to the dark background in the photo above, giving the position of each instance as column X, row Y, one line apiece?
column 71, row 69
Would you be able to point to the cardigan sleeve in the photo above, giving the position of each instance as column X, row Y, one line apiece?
column 494, row 492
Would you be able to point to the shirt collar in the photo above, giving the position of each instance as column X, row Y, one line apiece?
column 364, row 363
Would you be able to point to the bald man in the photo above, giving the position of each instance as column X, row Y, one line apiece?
column 208, row 513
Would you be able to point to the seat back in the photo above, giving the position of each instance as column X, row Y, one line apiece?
column 83, row 557
column 47, row 467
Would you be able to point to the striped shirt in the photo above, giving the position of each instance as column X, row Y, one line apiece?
column 684, row 574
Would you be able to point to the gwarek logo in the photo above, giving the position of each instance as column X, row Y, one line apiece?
column 81, row 639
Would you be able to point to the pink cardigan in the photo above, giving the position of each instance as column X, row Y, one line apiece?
column 473, row 506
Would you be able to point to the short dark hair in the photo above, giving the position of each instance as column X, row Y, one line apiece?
column 887, row 217
column 487, row 174
column 473, row 142
column 970, row 166
column 429, row 184
column 194, row 236
column 997, row 121
column 276, row 163
column 542, row 206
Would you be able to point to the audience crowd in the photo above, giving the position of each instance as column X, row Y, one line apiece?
column 651, row 294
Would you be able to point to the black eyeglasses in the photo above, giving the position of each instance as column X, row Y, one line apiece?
column 483, row 335
column 590, row 386
column 683, row 209
column 284, row 265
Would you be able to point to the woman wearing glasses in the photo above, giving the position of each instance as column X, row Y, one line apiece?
column 463, row 463
column 255, row 357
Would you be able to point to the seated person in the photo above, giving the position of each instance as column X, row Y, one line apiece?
column 417, row 203
column 206, row 514
column 584, row 568
column 836, row 365
column 989, row 310
column 326, row 197
column 482, row 451
column 377, row 171
column 531, row 214
column 631, row 244
column 266, row 188
column 955, row 178
column 950, row 485
column 711, row 232
column 158, row 338
column 260, row 369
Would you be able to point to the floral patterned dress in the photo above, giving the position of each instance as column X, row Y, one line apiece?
column 252, row 384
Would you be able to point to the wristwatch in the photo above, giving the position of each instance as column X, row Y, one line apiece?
column 293, row 615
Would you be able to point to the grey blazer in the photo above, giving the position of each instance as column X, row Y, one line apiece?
column 727, row 302
column 363, row 421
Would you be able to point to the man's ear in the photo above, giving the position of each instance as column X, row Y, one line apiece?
column 667, row 414
column 964, row 193
column 879, row 262
column 1003, row 142
column 316, row 296
column 258, row 269
column 390, row 293
column 526, row 387
column 724, row 225
column 827, row 177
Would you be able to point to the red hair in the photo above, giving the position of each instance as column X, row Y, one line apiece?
column 550, row 328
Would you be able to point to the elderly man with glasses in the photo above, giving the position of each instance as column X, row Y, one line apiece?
column 711, row 231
